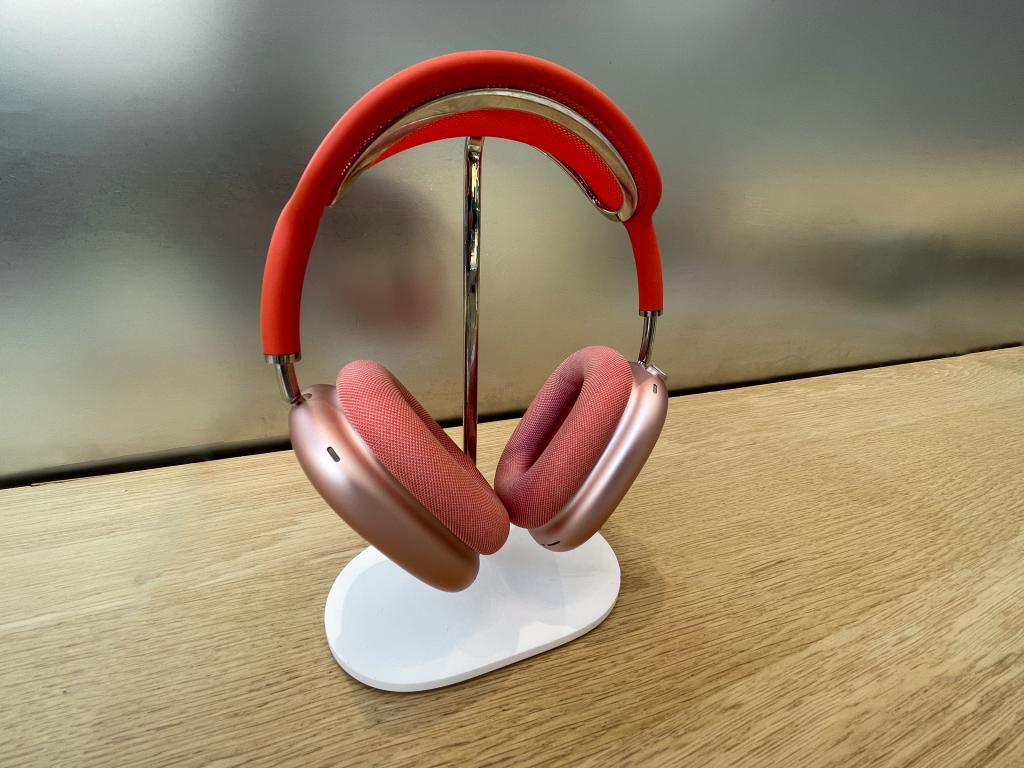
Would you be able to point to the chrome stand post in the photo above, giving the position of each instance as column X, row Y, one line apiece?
column 471, row 291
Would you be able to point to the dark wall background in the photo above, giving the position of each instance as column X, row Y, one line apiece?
column 844, row 185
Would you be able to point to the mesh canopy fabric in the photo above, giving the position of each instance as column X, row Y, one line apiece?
column 562, row 434
column 413, row 448
column 539, row 132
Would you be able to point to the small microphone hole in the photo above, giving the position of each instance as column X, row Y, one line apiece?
column 334, row 455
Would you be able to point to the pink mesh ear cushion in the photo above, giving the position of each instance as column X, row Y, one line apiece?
column 413, row 448
column 562, row 434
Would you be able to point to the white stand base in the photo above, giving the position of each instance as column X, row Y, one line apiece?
column 390, row 631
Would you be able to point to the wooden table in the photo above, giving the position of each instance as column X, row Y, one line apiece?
column 820, row 572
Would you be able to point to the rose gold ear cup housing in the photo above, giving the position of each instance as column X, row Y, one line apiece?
column 617, row 467
column 368, row 497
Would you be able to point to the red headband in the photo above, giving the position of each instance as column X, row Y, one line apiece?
column 369, row 117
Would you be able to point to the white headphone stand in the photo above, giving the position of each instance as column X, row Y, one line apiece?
column 391, row 631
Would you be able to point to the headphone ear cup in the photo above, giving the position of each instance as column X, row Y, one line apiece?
column 562, row 434
column 417, row 452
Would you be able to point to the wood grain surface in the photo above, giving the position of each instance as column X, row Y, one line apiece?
column 824, row 572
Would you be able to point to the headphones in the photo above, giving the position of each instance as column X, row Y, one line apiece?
column 369, row 448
